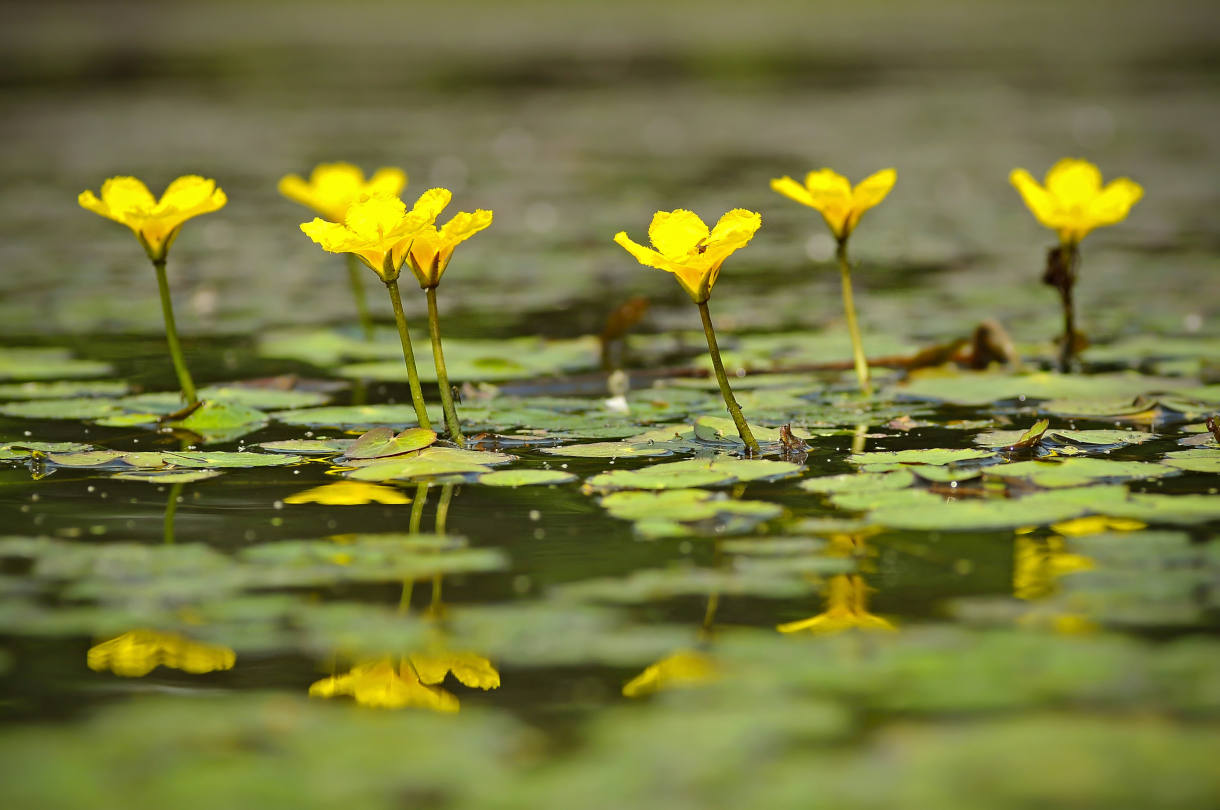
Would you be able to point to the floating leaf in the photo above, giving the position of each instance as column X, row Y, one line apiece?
column 630, row 449
column 380, row 442
column 308, row 447
column 63, row 389
column 1074, row 471
column 982, row 388
column 432, row 461
column 19, row 363
column 694, row 473
column 523, row 478
column 217, row 415
column 992, row 514
column 71, row 408
column 854, row 482
column 167, row 476
column 934, row 456
column 213, row 459
column 1101, row 437
column 349, row 416
column 1204, row 460
column 1014, row 439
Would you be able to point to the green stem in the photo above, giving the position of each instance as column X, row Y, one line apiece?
column 356, row 276
column 171, row 335
column 1067, row 351
column 408, row 356
column 739, row 420
column 404, row 599
column 171, row 509
column 442, row 376
column 849, row 306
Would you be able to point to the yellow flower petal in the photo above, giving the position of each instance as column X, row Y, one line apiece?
column 1114, row 202
column 792, row 189
column 333, row 187
column 1037, row 199
column 1073, row 182
column 154, row 222
column 469, row 668
column 675, row 234
column 830, row 194
column 387, row 179
column 374, row 217
column 126, row 196
column 871, row 190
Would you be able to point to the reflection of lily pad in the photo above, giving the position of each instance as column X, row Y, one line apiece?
column 524, row 478
column 688, row 512
column 988, row 513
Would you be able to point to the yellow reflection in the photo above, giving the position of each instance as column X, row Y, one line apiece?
column 846, row 609
column 1039, row 562
column 683, row 668
column 348, row 493
column 139, row 652
column 382, row 685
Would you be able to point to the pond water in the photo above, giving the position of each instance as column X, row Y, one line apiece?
column 972, row 588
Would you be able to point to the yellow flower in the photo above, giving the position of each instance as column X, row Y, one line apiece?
column 155, row 222
column 139, row 652
column 381, row 685
column 846, row 608
column 433, row 247
column 333, row 187
column 685, row 247
column 348, row 493
column 683, row 668
column 378, row 229
column 1073, row 201
column 470, row 669
column 832, row 194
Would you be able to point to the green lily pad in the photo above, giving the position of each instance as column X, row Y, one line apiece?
column 1101, row 437
column 430, row 462
column 380, row 442
column 651, row 585
column 1075, row 471
column 1099, row 407
column 523, row 478
column 167, row 476
column 630, row 449
column 225, row 459
column 694, row 473
column 71, row 408
column 722, row 430
column 854, row 482
column 1203, row 459
column 688, row 513
column 86, row 458
column 946, row 474
column 63, row 389
column 46, row 364
column 982, row 388
column 129, row 420
column 981, row 514
column 1174, row 509
column 218, row 415
column 264, row 399
column 349, row 416
column 1013, row 439
column 11, row 451
column 936, row 456
column 308, row 447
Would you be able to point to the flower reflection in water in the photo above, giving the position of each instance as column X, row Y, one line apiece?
column 415, row 679
column 846, row 594
column 1038, row 564
column 138, row 652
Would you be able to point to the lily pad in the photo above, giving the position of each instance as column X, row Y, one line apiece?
column 70, row 408
column 523, row 478
column 430, row 462
column 46, row 364
column 167, row 476
column 1075, row 471
column 934, row 456
column 308, row 447
column 1204, row 460
column 1013, row 439
column 853, row 482
column 381, row 442
column 694, row 473
column 349, row 416
column 980, row 514
column 630, row 449
column 63, row 389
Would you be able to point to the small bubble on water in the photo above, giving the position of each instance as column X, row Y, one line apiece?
column 34, row 497
column 276, row 521
column 90, row 488
column 277, row 505
column 535, row 515
column 27, row 433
